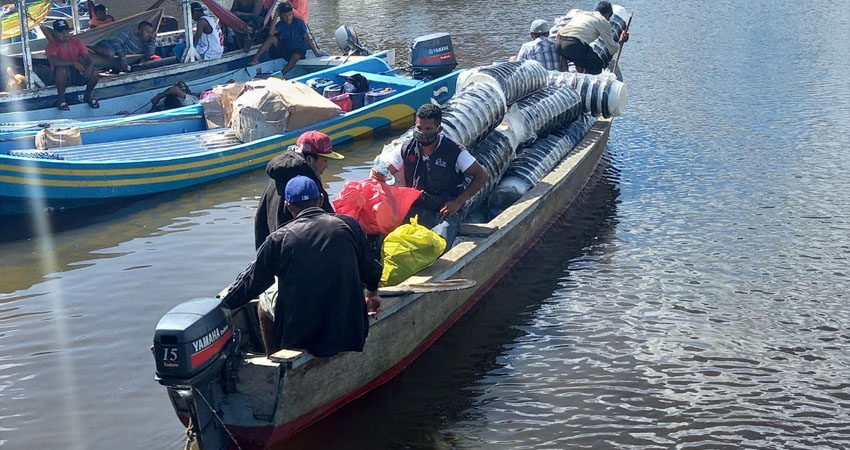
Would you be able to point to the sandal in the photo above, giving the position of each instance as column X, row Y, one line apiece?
column 63, row 106
column 94, row 104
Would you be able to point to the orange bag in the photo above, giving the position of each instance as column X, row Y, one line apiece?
column 378, row 207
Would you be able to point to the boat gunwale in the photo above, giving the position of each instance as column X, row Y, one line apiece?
column 147, row 74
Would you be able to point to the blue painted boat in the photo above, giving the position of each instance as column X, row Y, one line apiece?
column 104, row 171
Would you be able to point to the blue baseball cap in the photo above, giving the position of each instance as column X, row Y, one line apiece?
column 300, row 189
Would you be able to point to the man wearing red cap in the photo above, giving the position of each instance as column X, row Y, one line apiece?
column 308, row 157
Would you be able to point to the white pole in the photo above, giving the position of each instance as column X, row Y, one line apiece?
column 25, row 42
column 75, row 12
column 190, row 54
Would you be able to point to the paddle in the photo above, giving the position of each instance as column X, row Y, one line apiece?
column 456, row 284
column 620, row 52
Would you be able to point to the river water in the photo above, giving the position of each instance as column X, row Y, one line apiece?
column 696, row 295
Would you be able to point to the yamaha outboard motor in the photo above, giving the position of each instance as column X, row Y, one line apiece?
column 347, row 41
column 197, row 349
column 432, row 55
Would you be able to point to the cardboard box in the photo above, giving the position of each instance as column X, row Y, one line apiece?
column 274, row 106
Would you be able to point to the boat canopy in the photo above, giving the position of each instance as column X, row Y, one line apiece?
column 94, row 35
column 36, row 13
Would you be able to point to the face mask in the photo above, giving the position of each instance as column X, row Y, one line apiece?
column 425, row 137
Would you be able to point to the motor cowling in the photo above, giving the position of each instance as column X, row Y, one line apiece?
column 347, row 41
column 432, row 55
column 190, row 337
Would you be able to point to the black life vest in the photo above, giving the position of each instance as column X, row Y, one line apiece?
column 437, row 176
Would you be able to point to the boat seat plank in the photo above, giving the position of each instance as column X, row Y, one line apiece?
column 284, row 355
column 150, row 148
column 385, row 79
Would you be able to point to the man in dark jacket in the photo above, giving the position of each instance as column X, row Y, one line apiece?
column 321, row 261
column 309, row 158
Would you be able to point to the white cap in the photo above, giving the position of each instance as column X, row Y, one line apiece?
column 540, row 26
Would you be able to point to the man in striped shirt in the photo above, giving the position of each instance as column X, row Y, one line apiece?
column 541, row 47
column 140, row 41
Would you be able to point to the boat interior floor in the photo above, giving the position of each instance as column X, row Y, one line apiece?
column 151, row 148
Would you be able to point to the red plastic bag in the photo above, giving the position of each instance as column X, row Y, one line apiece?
column 377, row 206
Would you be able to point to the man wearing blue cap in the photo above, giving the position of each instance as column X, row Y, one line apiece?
column 322, row 262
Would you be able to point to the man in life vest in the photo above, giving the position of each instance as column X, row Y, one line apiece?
column 438, row 167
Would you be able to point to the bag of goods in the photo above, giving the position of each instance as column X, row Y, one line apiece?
column 225, row 95
column 275, row 106
column 48, row 138
column 378, row 207
column 409, row 249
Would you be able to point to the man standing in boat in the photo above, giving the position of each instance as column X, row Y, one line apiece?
column 322, row 263
column 289, row 40
column 308, row 157
column 574, row 39
column 140, row 41
column 437, row 166
column 70, row 63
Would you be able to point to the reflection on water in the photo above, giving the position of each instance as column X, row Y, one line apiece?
column 696, row 297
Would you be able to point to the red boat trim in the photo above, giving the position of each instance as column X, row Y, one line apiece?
column 208, row 352
column 292, row 427
column 435, row 58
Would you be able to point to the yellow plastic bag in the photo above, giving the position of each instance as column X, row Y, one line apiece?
column 409, row 249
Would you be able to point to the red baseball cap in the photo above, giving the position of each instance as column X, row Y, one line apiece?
column 317, row 143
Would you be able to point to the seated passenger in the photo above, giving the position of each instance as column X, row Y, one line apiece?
column 208, row 38
column 322, row 263
column 70, row 63
column 98, row 16
column 139, row 41
column 289, row 40
column 437, row 166
column 174, row 97
column 250, row 11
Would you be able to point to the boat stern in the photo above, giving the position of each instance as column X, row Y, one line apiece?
column 196, row 349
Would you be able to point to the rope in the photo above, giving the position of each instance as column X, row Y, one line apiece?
column 219, row 418
column 191, row 436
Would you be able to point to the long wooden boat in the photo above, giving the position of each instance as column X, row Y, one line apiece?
column 128, row 92
column 253, row 401
column 89, row 174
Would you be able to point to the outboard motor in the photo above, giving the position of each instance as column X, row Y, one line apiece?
column 432, row 55
column 347, row 41
column 197, row 349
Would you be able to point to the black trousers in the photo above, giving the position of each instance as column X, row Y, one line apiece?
column 573, row 49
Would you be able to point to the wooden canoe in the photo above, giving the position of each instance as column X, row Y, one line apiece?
column 276, row 397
